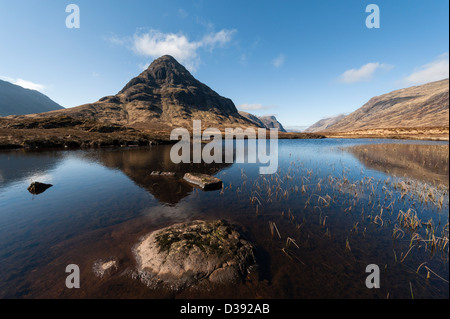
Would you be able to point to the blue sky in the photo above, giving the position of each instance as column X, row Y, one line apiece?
column 299, row 60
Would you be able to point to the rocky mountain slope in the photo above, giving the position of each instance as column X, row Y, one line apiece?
column 323, row 124
column 424, row 106
column 163, row 96
column 16, row 100
column 263, row 121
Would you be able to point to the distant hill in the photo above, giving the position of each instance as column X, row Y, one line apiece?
column 16, row 100
column 423, row 106
column 164, row 95
column 323, row 124
column 296, row 128
column 264, row 121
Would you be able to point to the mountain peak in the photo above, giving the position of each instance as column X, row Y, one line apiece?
column 268, row 121
column 165, row 71
column 163, row 96
column 166, row 58
column 166, row 91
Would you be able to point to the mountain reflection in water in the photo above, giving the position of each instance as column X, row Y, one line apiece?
column 428, row 163
column 139, row 163
column 339, row 207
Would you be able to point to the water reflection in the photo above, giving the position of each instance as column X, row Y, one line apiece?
column 428, row 163
column 138, row 164
column 103, row 201
column 19, row 165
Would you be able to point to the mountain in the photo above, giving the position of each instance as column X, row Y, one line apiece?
column 252, row 118
column 267, row 122
column 164, row 95
column 423, row 106
column 323, row 124
column 16, row 100
column 272, row 122
column 296, row 128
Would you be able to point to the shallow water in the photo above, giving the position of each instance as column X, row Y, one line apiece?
column 339, row 208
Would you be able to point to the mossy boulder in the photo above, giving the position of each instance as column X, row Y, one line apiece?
column 185, row 254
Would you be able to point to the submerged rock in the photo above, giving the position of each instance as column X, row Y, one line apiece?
column 159, row 173
column 185, row 254
column 37, row 188
column 104, row 266
column 204, row 181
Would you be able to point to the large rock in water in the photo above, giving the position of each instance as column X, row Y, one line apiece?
column 185, row 254
column 204, row 181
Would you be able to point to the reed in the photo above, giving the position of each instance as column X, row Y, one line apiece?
column 347, row 245
column 273, row 227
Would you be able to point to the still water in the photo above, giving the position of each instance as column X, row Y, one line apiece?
column 344, row 203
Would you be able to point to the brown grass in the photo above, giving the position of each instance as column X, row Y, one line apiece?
column 418, row 133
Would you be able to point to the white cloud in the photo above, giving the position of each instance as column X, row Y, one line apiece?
column 254, row 107
column 436, row 70
column 219, row 38
column 25, row 84
column 155, row 44
column 364, row 73
column 279, row 61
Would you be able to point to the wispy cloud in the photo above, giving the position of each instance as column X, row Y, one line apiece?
column 114, row 39
column 182, row 13
column 155, row 43
column 220, row 38
column 24, row 83
column 243, row 59
column 437, row 69
column 364, row 73
column 279, row 61
column 254, row 107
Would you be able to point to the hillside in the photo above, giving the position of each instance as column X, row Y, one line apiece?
column 323, row 124
column 417, row 107
column 267, row 122
column 16, row 100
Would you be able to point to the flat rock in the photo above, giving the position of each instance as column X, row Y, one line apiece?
column 204, row 181
column 189, row 253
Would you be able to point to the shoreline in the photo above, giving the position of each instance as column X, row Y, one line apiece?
column 96, row 142
column 401, row 133
column 70, row 133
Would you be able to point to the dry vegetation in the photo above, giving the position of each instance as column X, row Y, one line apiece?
column 68, row 132
column 416, row 133
column 428, row 163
